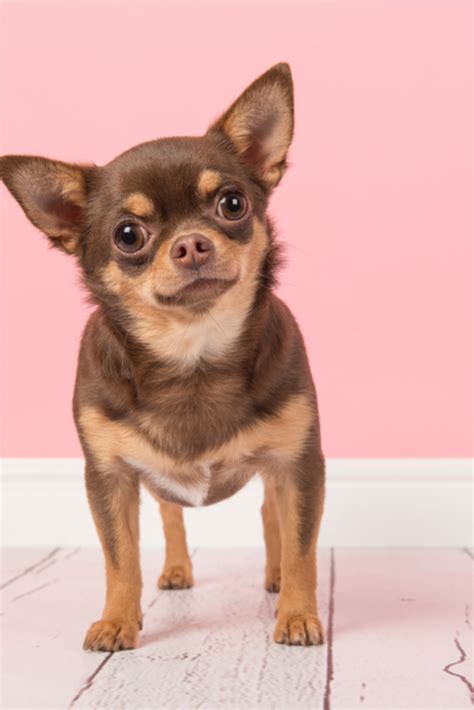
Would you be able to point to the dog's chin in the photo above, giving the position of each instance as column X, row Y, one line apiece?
column 199, row 294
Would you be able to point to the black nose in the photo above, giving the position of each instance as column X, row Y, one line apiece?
column 192, row 251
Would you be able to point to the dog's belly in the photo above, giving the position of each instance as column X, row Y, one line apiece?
column 203, row 484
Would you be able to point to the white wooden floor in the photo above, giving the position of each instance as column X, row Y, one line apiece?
column 398, row 634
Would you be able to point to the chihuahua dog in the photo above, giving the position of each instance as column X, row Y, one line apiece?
column 192, row 374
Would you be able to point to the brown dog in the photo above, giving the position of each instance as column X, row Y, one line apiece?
column 192, row 374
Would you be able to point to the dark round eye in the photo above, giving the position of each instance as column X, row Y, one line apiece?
column 130, row 237
column 232, row 205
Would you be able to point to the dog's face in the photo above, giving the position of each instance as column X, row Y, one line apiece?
column 172, row 225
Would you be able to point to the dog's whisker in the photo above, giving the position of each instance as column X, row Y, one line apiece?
column 303, row 251
column 216, row 323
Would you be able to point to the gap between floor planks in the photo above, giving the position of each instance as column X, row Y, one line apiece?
column 365, row 604
column 229, row 578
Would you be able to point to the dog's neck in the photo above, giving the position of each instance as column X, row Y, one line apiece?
column 179, row 342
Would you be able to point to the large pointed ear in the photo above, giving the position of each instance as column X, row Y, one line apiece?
column 52, row 194
column 259, row 124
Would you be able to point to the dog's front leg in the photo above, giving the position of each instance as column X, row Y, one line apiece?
column 300, row 500
column 114, row 500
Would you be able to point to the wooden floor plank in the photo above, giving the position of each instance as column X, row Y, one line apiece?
column 400, row 635
column 402, row 625
column 211, row 647
column 18, row 562
column 45, row 614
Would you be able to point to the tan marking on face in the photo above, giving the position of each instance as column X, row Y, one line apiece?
column 140, row 205
column 208, row 182
column 280, row 437
column 175, row 334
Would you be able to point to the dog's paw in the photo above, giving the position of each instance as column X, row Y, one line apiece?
column 272, row 579
column 298, row 629
column 112, row 635
column 176, row 577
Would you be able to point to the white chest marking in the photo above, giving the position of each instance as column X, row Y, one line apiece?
column 194, row 493
column 206, row 337
column 209, row 335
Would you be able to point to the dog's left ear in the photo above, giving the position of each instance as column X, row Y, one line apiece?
column 52, row 194
column 259, row 124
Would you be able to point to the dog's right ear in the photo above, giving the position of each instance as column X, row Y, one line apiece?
column 259, row 124
column 52, row 194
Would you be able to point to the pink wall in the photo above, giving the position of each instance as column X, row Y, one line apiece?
column 376, row 208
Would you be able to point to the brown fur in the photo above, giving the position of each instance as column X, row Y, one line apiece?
column 189, row 380
column 272, row 537
column 297, row 616
column 177, row 572
column 114, row 507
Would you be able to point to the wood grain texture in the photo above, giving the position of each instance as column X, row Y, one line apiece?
column 19, row 563
column 400, row 618
column 398, row 622
column 211, row 646
column 45, row 614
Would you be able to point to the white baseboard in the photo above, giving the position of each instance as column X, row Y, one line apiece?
column 370, row 502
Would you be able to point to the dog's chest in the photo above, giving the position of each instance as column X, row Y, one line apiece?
column 194, row 456
column 193, row 463
column 197, row 484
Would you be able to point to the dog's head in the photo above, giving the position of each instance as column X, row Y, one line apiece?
column 172, row 226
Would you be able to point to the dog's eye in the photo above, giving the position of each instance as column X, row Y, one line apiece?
column 232, row 205
column 130, row 237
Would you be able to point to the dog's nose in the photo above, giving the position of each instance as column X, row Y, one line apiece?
column 192, row 251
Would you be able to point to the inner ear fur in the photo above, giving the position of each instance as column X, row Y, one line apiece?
column 260, row 123
column 52, row 194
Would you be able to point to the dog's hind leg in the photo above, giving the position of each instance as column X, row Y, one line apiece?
column 272, row 536
column 177, row 571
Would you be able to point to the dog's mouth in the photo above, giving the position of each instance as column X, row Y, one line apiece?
column 200, row 289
